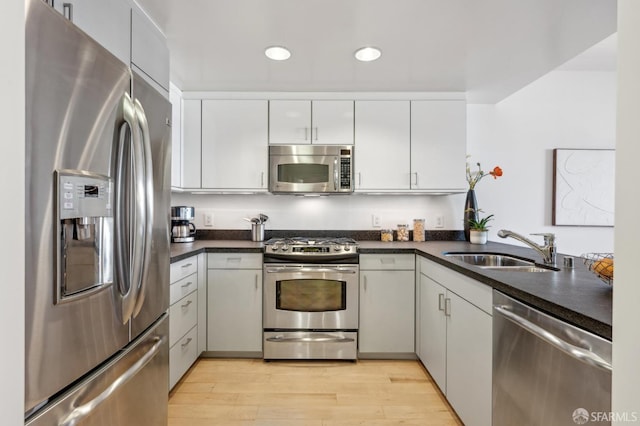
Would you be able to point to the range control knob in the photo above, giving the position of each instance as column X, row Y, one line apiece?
column 284, row 247
column 347, row 248
column 337, row 248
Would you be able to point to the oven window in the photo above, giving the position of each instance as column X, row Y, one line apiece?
column 303, row 173
column 311, row 295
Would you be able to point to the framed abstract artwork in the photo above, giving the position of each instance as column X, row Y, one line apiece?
column 583, row 187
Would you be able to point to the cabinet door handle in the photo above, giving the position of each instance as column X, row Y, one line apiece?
column 187, row 342
column 186, row 284
column 359, row 180
column 447, row 307
column 67, row 10
column 441, row 301
column 256, row 281
column 316, row 133
column 414, row 181
column 306, row 133
column 186, row 305
column 261, row 179
column 364, row 277
column 187, row 265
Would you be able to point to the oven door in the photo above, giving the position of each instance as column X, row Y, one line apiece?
column 310, row 297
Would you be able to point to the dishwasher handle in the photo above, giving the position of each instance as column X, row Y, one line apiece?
column 576, row 352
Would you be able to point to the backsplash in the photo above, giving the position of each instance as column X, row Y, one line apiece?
column 235, row 234
column 336, row 212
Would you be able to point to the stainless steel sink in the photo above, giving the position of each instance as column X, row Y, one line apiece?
column 499, row 262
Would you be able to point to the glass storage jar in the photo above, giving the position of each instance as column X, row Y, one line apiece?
column 386, row 235
column 418, row 229
column 403, row 232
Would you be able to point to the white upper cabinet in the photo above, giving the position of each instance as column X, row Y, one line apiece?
column 107, row 22
column 438, row 145
column 191, row 143
column 289, row 122
column 410, row 146
column 304, row 122
column 175, row 97
column 332, row 122
column 149, row 51
column 234, row 144
column 383, row 145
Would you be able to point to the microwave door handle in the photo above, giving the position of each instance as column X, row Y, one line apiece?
column 146, row 181
column 335, row 173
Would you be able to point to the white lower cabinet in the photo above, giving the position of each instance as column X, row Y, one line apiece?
column 184, row 313
column 234, row 304
column 454, row 339
column 387, row 300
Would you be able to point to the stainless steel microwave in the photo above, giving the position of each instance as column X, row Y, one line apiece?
column 311, row 169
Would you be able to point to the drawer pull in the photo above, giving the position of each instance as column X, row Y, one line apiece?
column 234, row 259
column 187, row 265
column 387, row 261
column 187, row 342
column 186, row 305
column 187, row 284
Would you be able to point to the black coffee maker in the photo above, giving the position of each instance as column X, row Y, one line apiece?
column 182, row 230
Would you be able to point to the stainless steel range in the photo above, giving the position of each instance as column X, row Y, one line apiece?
column 311, row 298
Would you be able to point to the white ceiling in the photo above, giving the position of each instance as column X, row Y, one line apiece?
column 486, row 48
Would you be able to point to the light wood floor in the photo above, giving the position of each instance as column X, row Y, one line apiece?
column 235, row 392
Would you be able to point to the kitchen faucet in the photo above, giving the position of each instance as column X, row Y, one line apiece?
column 548, row 250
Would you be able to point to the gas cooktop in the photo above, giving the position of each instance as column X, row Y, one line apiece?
column 311, row 247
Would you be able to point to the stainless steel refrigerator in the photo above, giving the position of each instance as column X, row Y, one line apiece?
column 97, row 238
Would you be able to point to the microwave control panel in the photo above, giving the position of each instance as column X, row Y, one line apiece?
column 345, row 172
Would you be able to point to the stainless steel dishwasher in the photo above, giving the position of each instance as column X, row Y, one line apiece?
column 545, row 371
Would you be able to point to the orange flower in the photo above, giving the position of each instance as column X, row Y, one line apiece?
column 474, row 177
column 496, row 172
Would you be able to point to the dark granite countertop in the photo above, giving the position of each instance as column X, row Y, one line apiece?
column 573, row 295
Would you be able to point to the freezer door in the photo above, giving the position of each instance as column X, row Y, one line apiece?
column 153, row 298
column 74, row 93
column 131, row 390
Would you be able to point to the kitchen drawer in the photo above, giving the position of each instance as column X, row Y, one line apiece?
column 381, row 262
column 183, row 268
column 182, row 356
column 183, row 315
column 234, row 261
column 472, row 291
column 183, row 287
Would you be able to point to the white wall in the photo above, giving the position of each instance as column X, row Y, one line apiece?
column 563, row 109
column 336, row 212
column 12, row 194
column 626, row 294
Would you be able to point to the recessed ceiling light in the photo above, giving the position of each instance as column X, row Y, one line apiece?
column 367, row 54
column 277, row 53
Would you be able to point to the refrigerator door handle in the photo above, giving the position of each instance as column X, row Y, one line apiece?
column 146, row 176
column 79, row 413
column 125, row 224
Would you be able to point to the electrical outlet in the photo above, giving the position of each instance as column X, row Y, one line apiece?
column 208, row 219
column 439, row 221
column 375, row 221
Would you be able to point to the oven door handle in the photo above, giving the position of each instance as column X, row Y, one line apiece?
column 306, row 269
column 325, row 338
